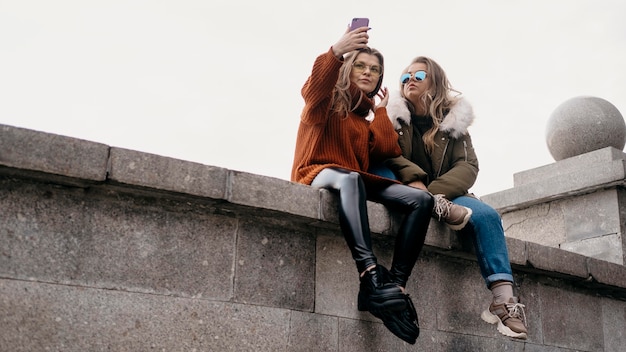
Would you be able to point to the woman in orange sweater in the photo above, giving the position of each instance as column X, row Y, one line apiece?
column 342, row 133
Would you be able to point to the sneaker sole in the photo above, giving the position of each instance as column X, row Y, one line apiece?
column 491, row 318
column 462, row 224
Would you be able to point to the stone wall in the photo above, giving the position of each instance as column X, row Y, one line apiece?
column 577, row 204
column 109, row 249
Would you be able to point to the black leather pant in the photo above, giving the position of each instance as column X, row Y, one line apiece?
column 416, row 204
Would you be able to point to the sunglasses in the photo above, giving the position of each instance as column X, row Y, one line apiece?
column 418, row 75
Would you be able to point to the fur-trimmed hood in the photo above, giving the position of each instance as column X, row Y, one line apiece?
column 456, row 122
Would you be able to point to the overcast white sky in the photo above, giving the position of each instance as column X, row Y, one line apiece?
column 218, row 82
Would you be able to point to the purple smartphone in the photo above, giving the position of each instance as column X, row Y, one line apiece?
column 359, row 22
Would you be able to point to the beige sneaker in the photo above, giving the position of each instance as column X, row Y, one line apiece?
column 510, row 318
column 454, row 215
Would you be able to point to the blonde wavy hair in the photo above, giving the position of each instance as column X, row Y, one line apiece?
column 342, row 99
column 438, row 98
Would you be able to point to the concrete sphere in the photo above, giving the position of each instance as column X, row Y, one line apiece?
column 584, row 124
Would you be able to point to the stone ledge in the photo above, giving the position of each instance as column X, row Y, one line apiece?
column 565, row 178
column 566, row 167
column 63, row 159
column 52, row 158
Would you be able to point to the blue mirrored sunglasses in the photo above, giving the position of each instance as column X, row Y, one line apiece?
column 419, row 76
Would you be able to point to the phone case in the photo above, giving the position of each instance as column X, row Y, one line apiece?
column 359, row 22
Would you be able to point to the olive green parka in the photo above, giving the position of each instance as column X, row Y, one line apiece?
column 451, row 168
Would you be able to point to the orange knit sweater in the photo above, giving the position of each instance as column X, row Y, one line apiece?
column 328, row 140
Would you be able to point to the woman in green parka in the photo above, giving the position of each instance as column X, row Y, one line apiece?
column 432, row 122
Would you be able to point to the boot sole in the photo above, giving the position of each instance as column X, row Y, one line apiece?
column 404, row 323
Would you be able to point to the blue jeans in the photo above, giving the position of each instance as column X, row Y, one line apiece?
column 485, row 229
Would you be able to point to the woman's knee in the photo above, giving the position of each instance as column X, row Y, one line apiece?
column 485, row 213
column 422, row 199
column 339, row 179
column 353, row 176
column 351, row 179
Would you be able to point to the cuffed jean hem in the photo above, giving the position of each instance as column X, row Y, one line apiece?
column 498, row 277
column 487, row 234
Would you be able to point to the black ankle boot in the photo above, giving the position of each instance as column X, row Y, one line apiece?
column 383, row 298
column 376, row 294
column 403, row 323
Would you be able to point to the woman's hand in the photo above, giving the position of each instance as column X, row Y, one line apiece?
column 351, row 40
column 383, row 94
column 418, row 184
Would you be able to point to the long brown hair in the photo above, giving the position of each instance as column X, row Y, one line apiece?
column 342, row 99
column 437, row 99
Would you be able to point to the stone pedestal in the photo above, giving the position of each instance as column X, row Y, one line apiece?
column 576, row 204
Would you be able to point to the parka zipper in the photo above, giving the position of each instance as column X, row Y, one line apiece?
column 465, row 149
column 444, row 155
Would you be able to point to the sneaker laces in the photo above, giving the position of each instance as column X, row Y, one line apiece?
column 442, row 206
column 516, row 310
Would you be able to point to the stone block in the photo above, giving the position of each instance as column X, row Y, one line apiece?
column 24, row 149
column 275, row 266
column 329, row 208
column 566, row 167
column 528, row 291
column 588, row 224
column 607, row 248
column 186, row 252
column 66, row 235
column 529, row 347
column 336, row 282
column 541, row 223
column 545, row 190
column 461, row 295
column 40, row 227
column 139, row 169
column 44, row 317
column 274, row 194
column 607, row 273
column 422, row 289
column 614, row 321
column 571, row 319
column 556, row 260
column 449, row 341
column 380, row 219
column 361, row 335
column 441, row 237
column 591, row 215
column 518, row 254
column 307, row 330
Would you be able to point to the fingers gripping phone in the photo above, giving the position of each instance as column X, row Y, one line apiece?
column 359, row 22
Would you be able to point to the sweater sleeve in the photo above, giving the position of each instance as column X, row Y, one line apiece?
column 383, row 138
column 318, row 88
